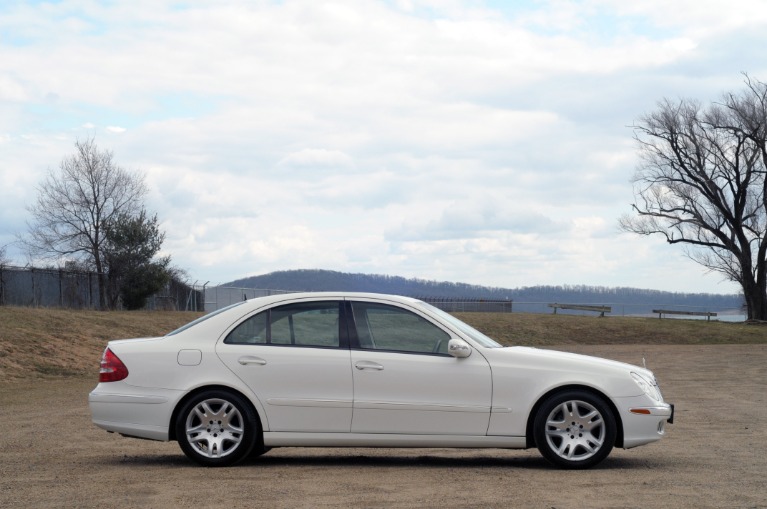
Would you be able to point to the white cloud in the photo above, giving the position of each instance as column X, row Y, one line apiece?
column 468, row 141
column 317, row 158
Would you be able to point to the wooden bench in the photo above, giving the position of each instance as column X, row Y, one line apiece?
column 582, row 307
column 662, row 312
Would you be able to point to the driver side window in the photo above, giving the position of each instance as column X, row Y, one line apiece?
column 382, row 327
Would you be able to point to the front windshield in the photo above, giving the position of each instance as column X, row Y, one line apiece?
column 204, row 317
column 464, row 327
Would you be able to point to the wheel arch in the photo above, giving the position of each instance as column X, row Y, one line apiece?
column 198, row 390
column 529, row 435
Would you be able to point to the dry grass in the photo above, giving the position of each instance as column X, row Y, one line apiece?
column 49, row 343
column 549, row 329
column 45, row 342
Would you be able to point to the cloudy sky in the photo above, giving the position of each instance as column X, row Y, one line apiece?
column 485, row 142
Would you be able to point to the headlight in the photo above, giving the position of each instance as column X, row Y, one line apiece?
column 647, row 386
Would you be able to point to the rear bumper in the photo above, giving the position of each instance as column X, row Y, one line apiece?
column 133, row 411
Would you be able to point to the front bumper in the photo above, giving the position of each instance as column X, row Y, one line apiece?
column 666, row 410
column 643, row 423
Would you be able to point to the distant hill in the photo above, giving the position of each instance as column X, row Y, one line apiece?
column 639, row 299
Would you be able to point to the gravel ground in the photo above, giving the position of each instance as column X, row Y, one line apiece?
column 715, row 455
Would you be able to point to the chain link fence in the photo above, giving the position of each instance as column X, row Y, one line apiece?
column 217, row 297
column 35, row 287
column 25, row 286
column 458, row 305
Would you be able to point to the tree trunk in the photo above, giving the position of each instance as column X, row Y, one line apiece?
column 756, row 300
column 102, row 281
column 102, row 292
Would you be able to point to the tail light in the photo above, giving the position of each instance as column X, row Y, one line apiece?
column 112, row 368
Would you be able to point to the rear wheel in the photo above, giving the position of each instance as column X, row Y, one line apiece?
column 217, row 428
column 574, row 429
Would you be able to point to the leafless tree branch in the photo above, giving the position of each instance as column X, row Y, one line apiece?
column 702, row 183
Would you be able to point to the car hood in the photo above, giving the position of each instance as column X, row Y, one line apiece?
column 570, row 361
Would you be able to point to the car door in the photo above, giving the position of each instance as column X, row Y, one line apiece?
column 406, row 382
column 295, row 358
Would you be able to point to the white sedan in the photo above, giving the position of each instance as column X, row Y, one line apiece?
column 366, row 370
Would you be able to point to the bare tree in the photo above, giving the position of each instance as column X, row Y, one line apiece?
column 75, row 204
column 701, row 183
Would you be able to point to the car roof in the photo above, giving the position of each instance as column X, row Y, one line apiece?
column 220, row 318
column 268, row 299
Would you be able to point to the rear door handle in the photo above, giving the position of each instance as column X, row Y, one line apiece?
column 249, row 359
column 368, row 365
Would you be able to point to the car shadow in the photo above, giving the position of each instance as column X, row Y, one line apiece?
column 390, row 461
column 396, row 461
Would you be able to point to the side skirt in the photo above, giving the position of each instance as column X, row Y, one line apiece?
column 291, row 439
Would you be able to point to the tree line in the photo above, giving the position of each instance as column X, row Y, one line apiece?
column 327, row 280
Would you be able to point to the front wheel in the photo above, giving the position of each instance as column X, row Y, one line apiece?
column 574, row 429
column 216, row 428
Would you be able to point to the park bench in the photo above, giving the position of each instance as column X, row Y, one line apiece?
column 582, row 307
column 662, row 312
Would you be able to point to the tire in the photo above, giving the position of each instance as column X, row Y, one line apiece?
column 217, row 428
column 574, row 429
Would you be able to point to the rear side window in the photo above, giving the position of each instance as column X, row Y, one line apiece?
column 300, row 324
column 382, row 327
column 252, row 331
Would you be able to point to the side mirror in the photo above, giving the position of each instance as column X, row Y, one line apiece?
column 458, row 348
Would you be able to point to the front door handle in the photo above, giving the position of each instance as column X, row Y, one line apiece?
column 249, row 359
column 368, row 365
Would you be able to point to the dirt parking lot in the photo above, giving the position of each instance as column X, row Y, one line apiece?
column 715, row 455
